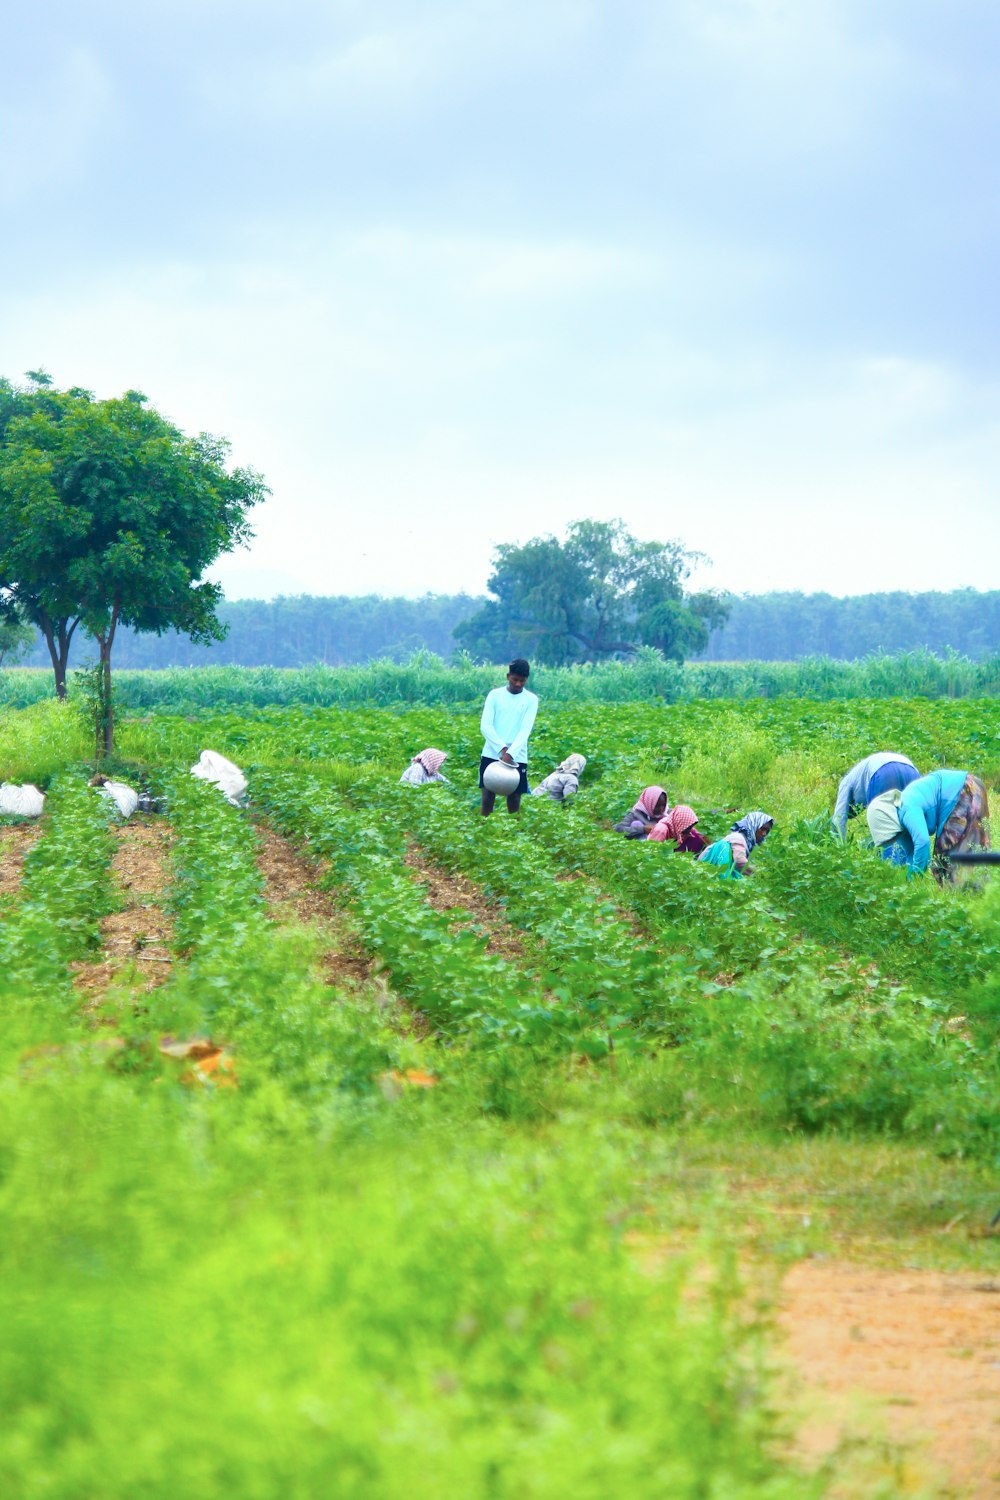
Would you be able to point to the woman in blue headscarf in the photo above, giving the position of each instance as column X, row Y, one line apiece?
column 731, row 853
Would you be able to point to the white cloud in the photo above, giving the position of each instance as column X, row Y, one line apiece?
column 383, row 59
column 399, row 459
column 491, row 267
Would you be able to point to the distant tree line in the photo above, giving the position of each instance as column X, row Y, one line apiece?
column 790, row 626
column 295, row 632
column 344, row 631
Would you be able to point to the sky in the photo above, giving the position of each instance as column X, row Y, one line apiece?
column 452, row 273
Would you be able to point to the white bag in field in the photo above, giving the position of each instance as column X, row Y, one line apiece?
column 122, row 795
column 221, row 772
column 21, row 801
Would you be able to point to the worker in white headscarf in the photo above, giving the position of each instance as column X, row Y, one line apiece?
column 564, row 781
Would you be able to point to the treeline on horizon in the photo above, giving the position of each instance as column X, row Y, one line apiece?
column 306, row 630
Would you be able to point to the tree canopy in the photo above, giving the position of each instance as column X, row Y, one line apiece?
column 599, row 593
column 110, row 515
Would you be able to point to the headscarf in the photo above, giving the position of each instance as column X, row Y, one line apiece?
column 647, row 801
column 677, row 821
column 432, row 760
column 883, row 817
column 573, row 764
column 751, row 825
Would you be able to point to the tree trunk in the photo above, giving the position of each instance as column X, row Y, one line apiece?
column 58, row 637
column 106, row 709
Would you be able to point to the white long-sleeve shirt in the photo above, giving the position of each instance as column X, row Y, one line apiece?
column 507, row 720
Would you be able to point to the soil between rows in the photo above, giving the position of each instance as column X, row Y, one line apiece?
column 139, row 934
column 448, row 891
column 292, row 892
column 911, row 1354
column 15, row 841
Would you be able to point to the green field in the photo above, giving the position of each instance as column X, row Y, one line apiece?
column 515, row 1128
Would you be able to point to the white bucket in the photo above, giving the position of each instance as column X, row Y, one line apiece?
column 502, row 778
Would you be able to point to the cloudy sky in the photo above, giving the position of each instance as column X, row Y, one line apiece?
column 456, row 272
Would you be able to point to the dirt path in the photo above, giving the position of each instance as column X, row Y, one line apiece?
column 139, row 935
column 15, row 841
column 293, row 893
column 914, row 1355
column 449, row 891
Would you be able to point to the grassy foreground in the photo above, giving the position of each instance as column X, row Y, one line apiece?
column 552, row 1271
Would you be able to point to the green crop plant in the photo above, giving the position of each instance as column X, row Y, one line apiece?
column 65, row 890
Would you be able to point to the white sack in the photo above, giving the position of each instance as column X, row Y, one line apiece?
column 221, row 772
column 122, row 795
column 21, row 801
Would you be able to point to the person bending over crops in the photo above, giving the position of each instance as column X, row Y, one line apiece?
column 731, row 854
column 564, row 781
column 642, row 815
column 508, row 715
column 424, row 767
column 125, row 798
column 885, row 771
column 680, row 827
column 952, row 807
column 21, row 801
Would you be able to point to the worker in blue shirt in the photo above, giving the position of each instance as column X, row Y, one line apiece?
column 508, row 714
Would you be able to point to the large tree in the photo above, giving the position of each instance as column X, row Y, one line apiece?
column 599, row 593
column 109, row 515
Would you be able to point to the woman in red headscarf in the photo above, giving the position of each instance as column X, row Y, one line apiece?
column 642, row 815
column 425, row 766
column 679, row 826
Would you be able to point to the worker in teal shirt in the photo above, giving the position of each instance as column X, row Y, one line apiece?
column 922, row 809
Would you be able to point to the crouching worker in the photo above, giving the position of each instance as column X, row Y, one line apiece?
column 885, row 771
column 508, row 715
column 125, row 798
column 220, row 772
column 21, row 801
column 731, row 854
column 643, row 815
column 564, row 781
column 424, row 767
column 952, row 807
column 679, row 827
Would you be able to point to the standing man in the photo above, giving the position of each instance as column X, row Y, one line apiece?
column 508, row 715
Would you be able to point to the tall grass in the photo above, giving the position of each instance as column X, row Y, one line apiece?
column 427, row 679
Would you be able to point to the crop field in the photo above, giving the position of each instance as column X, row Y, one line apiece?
column 352, row 1145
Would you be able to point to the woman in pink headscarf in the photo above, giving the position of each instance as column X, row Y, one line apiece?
column 425, row 767
column 679, row 826
column 641, row 817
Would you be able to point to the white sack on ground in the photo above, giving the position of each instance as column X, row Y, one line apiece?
column 221, row 772
column 21, row 801
column 122, row 795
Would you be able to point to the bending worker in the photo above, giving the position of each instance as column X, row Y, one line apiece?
column 732, row 852
column 508, row 714
column 952, row 807
column 425, row 767
column 885, row 771
column 564, row 781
